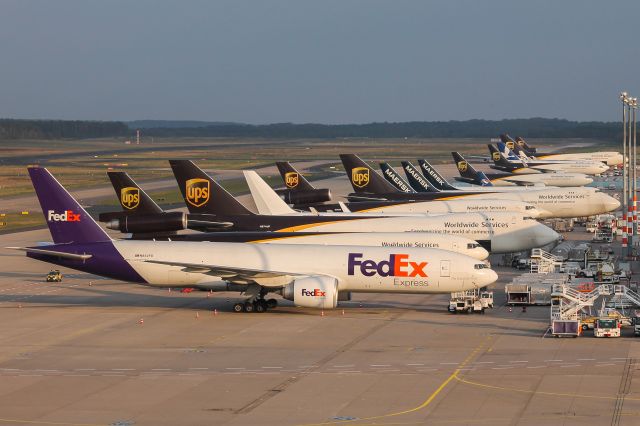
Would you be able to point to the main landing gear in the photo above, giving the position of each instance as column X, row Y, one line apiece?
column 259, row 305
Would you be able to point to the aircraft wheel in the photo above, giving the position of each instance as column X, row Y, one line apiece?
column 261, row 306
column 248, row 307
column 272, row 303
column 238, row 307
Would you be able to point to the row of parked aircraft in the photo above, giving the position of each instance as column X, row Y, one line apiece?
column 315, row 253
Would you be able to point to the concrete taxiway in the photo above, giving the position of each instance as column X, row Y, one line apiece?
column 93, row 351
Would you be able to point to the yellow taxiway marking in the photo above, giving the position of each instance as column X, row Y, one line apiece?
column 569, row 395
column 434, row 394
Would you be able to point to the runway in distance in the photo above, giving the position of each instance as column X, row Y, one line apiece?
column 497, row 232
column 257, row 270
column 159, row 225
column 551, row 202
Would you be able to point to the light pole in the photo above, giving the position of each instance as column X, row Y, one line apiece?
column 634, row 105
column 623, row 98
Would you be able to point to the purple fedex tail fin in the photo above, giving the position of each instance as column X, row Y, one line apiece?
column 67, row 220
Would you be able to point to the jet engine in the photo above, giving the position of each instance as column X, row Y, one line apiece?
column 305, row 197
column 313, row 292
column 164, row 222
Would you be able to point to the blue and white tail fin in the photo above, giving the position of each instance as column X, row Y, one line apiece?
column 68, row 222
column 508, row 153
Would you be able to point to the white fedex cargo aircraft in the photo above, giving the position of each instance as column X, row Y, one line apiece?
column 269, row 202
column 500, row 232
column 310, row 275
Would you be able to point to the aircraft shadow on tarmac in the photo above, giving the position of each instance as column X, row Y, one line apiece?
column 96, row 297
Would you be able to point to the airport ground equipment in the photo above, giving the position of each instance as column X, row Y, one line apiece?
column 54, row 276
column 567, row 302
column 471, row 301
column 532, row 289
column 543, row 262
column 636, row 326
column 607, row 327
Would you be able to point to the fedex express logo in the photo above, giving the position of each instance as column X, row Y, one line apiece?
column 398, row 265
column 67, row 216
column 316, row 292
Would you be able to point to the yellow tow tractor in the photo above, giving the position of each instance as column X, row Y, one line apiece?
column 54, row 276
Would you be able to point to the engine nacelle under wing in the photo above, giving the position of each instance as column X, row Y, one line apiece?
column 313, row 292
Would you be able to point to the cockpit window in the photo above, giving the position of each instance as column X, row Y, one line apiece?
column 472, row 245
column 481, row 266
column 529, row 207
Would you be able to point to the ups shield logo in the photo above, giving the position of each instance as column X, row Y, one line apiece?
column 462, row 166
column 197, row 191
column 130, row 197
column 510, row 145
column 496, row 156
column 360, row 176
column 291, row 179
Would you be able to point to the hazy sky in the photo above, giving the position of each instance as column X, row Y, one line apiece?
column 317, row 61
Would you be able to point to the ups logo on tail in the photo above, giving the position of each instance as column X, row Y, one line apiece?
column 496, row 156
column 360, row 176
column 462, row 166
column 130, row 197
column 291, row 179
column 197, row 191
column 510, row 145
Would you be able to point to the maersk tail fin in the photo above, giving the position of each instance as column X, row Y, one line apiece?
column 68, row 222
column 202, row 194
column 363, row 178
column 434, row 177
column 133, row 199
column 417, row 181
column 293, row 179
column 394, row 178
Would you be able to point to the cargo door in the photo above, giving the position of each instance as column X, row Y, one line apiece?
column 445, row 268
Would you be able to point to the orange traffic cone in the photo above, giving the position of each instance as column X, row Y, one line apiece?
column 322, row 313
column 197, row 315
column 141, row 321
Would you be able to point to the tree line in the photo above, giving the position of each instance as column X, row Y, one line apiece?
column 532, row 127
column 60, row 129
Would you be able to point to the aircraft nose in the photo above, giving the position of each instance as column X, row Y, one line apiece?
column 610, row 203
column 545, row 235
column 486, row 277
column 480, row 253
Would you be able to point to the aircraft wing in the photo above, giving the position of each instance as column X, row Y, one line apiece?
column 265, row 277
column 543, row 170
column 54, row 253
